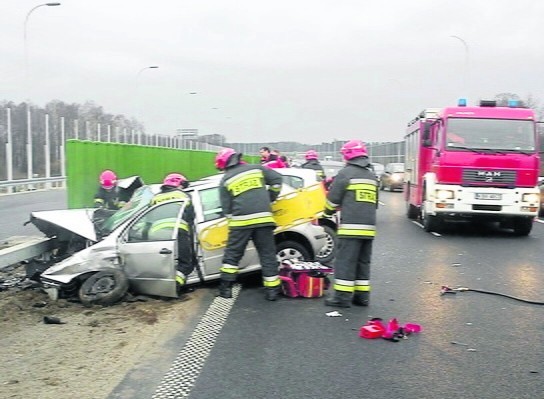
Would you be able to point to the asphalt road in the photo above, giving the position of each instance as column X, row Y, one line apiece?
column 473, row 345
column 15, row 210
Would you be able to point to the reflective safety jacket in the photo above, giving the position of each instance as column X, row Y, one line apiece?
column 170, row 193
column 354, row 191
column 114, row 198
column 245, row 198
column 315, row 165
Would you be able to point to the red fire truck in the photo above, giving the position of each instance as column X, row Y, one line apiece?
column 473, row 162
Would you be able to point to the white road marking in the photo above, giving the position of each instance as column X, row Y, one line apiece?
column 180, row 379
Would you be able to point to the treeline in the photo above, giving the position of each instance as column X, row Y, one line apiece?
column 83, row 121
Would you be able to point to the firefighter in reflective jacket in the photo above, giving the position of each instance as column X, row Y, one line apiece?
column 171, row 189
column 313, row 163
column 246, row 203
column 109, row 195
column 355, row 192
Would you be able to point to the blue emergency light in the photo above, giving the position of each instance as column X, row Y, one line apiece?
column 513, row 103
column 462, row 102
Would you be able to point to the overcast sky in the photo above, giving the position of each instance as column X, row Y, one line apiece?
column 298, row 70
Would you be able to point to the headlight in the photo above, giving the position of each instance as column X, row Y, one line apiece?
column 530, row 198
column 396, row 178
column 444, row 194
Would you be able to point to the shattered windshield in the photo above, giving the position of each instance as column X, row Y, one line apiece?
column 139, row 200
column 490, row 134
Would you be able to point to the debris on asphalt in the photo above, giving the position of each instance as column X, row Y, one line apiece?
column 458, row 343
column 393, row 331
column 52, row 320
column 334, row 313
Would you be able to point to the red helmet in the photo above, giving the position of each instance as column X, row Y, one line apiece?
column 108, row 179
column 222, row 158
column 311, row 154
column 353, row 149
column 175, row 180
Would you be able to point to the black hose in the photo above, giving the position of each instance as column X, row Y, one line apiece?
column 506, row 296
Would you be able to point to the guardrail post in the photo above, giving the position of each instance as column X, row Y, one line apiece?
column 61, row 145
column 9, row 150
column 29, row 171
column 47, row 154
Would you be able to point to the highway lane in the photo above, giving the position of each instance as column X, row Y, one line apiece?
column 15, row 210
column 473, row 345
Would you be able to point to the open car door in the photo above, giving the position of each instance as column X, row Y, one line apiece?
column 149, row 250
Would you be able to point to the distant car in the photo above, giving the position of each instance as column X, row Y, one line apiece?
column 103, row 257
column 393, row 177
column 332, row 168
column 378, row 169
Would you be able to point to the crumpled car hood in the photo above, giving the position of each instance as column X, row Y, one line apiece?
column 77, row 221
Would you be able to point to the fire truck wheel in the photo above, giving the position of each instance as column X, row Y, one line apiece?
column 411, row 211
column 523, row 226
column 430, row 222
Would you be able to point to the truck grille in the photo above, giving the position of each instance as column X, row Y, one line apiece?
column 489, row 178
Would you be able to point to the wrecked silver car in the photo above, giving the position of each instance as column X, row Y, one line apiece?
column 99, row 257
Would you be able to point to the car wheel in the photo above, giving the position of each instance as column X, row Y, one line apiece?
column 292, row 250
column 328, row 252
column 105, row 288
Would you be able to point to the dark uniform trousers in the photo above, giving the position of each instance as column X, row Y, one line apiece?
column 185, row 252
column 263, row 239
column 352, row 264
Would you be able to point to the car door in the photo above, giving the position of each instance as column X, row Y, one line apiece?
column 212, row 233
column 149, row 253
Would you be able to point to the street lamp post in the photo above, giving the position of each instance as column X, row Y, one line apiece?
column 466, row 72
column 25, row 35
column 30, row 172
column 137, row 100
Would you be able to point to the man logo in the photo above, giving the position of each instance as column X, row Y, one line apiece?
column 488, row 173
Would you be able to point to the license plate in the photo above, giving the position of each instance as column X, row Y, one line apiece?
column 487, row 196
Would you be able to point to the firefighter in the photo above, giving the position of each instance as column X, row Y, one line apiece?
column 172, row 189
column 109, row 195
column 246, row 202
column 355, row 191
column 313, row 163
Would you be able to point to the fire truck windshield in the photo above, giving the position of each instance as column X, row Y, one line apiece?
column 489, row 134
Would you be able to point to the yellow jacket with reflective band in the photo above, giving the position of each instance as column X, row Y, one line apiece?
column 354, row 191
column 169, row 193
column 247, row 192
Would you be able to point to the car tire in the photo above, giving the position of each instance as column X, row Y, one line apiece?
column 328, row 252
column 292, row 250
column 105, row 288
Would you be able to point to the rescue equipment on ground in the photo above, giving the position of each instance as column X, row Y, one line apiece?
column 447, row 290
column 304, row 279
column 392, row 331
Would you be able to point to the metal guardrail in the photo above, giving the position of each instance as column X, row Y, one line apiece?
column 38, row 183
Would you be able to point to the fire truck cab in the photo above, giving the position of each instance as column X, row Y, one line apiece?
column 473, row 162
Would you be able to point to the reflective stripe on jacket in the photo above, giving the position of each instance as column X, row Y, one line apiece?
column 245, row 197
column 354, row 191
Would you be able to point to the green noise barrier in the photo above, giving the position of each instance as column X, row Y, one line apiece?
column 85, row 160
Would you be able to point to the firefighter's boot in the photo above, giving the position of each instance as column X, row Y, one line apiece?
column 225, row 289
column 339, row 299
column 361, row 298
column 271, row 294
